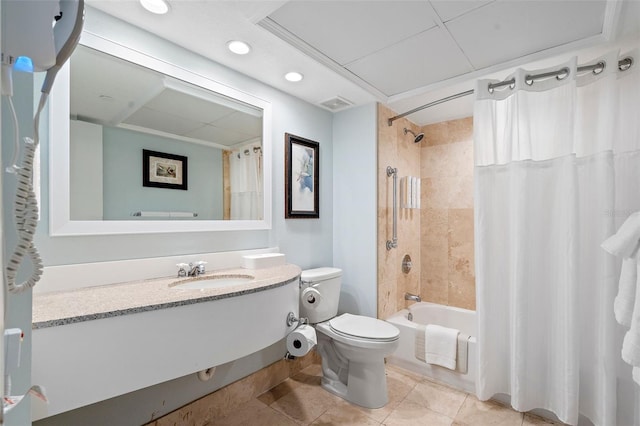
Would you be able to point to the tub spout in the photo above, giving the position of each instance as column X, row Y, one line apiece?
column 414, row 297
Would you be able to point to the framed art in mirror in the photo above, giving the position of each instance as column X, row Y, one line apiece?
column 302, row 176
column 161, row 170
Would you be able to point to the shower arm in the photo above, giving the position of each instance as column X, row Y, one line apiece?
column 393, row 243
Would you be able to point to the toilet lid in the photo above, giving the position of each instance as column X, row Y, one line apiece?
column 365, row 327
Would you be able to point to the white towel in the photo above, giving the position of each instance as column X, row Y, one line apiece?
column 404, row 192
column 409, row 192
column 414, row 192
column 418, row 192
column 625, row 241
column 623, row 304
column 631, row 343
column 462, row 361
column 441, row 345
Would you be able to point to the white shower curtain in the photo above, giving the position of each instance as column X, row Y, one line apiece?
column 245, row 173
column 556, row 162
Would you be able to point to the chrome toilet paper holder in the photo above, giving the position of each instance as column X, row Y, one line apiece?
column 291, row 319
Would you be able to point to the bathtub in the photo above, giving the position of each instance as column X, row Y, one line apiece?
column 431, row 313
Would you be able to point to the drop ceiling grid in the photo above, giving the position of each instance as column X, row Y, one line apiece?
column 188, row 107
column 448, row 10
column 163, row 121
column 218, row 135
column 503, row 31
column 347, row 31
column 248, row 124
column 85, row 93
column 421, row 60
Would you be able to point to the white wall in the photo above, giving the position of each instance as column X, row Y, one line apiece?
column 85, row 176
column 355, row 212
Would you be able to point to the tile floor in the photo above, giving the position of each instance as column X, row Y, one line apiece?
column 413, row 400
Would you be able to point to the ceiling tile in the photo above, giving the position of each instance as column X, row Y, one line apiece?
column 506, row 30
column 159, row 120
column 102, row 99
column 247, row 124
column 218, row 135
column 421, row 60
column 348, row 30
column 447, row 9
column 188, row 106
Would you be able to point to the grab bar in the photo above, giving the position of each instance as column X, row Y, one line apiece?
column 393, row 243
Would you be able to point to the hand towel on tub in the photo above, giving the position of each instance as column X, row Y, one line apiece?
column 463, row 349
column 441, row 345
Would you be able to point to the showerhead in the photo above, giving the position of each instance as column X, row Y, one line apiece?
column 417, row 138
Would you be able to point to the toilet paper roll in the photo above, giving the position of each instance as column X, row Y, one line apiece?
column 311, row 298
column 301, row 340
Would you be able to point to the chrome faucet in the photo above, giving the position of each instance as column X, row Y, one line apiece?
column 414, row 297
column 196, row 269
column 182, row 269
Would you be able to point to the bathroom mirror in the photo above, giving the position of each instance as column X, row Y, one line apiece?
column 139, row 145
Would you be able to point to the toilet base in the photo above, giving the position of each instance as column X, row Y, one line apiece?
column 353, row 367
column 367, row 385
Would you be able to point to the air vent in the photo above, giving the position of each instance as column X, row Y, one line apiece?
column 336, row 103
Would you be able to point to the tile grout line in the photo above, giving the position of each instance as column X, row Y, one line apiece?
column 320, row 415
column 466, row 395
column 399, row 402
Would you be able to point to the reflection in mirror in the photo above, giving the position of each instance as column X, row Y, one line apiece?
column 208, row 147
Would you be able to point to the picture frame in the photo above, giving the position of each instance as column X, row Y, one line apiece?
column 302, row 178
column 162, row 170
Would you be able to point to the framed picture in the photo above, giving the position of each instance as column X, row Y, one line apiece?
column 302, row 172
column 161, row 170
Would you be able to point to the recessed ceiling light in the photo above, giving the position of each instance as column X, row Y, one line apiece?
column 159, row 7
column 293, row 76
column 238, row 47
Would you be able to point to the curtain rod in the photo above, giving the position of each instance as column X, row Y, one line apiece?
column 597, row 68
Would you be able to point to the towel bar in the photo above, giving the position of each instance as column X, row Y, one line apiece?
column 393, row 243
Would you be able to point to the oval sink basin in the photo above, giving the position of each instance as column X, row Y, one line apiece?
column 212, row 282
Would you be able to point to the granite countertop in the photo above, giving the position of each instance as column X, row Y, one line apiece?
column 91, row 303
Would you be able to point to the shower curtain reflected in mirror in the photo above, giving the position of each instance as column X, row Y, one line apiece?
column 555, row 161
column 245, row 175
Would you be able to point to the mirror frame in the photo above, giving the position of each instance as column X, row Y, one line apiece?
column 59, row 182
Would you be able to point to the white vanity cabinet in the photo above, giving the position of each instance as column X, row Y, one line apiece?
column 83, row 360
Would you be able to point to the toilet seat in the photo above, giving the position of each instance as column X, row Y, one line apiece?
column 366, row 328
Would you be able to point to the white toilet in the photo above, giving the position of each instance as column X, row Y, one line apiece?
column 352, row 347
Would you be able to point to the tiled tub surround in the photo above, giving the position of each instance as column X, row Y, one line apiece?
column 95, row 343
column 443, row 268
column 397, row 150
column 446, row 217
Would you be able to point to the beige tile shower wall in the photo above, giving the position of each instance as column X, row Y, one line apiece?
column 397, row 150
column 447, row 214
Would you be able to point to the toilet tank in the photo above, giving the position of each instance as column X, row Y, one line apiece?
column 320, row 294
